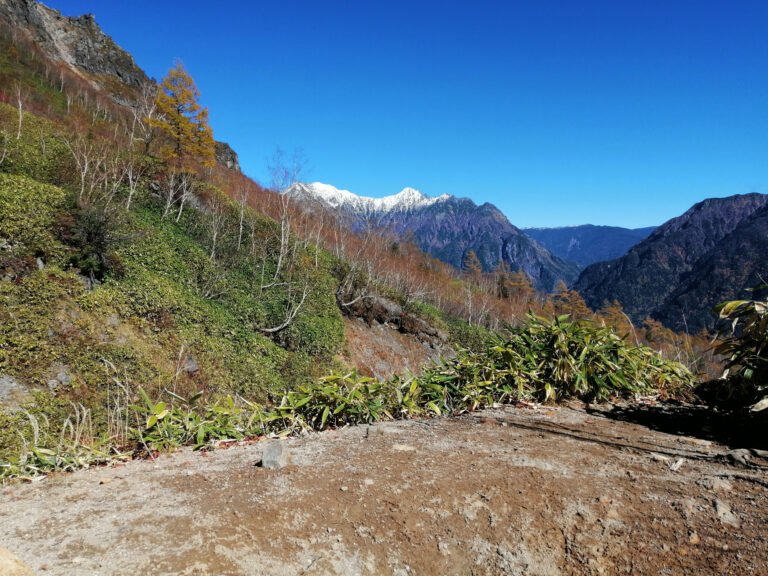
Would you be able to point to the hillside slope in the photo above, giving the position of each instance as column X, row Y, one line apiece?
column 650, row 273
column 738, row 262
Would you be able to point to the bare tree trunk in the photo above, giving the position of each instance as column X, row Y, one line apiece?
column 187, row 183
column 170, row 192
column 20, row 106
column 4, row 155
column 242, row 199
column 290, row 315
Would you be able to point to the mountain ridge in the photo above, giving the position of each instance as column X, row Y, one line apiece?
column 448, row 228
column 646, row 280
column 586, row 244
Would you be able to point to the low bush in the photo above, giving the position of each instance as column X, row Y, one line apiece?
column 542, row 360
column 745, row 349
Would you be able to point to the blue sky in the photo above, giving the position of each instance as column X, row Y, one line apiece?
column 559, row 112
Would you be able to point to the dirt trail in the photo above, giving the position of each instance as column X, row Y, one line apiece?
column 513, row 491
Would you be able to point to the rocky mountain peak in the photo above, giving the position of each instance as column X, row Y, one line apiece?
column 405, row 200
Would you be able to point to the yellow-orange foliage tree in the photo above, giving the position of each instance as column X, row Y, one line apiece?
column 182, row 120
column 187, row 139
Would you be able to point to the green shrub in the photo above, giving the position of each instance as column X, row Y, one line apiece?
column 28, row 212
column 39, row 153
column 554, row 360
column 745, row 349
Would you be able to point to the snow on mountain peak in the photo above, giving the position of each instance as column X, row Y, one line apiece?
column 405, row 200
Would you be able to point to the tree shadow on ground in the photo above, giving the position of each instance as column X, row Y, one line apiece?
column 734, row 429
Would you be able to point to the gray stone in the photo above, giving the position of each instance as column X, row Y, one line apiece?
column 190, row 365
column 63, row 377
column 40, row 264
column 275, row 456
column 741, row 456
column 725, row 515
column 227, row 157
column 11, row 391
column 716, row 484
column 676, row 466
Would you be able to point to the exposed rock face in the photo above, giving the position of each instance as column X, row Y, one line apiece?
column 78, row 42
column 227, row 157
column 384, row 311
column 709, row 254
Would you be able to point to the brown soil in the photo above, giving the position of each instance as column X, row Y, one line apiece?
column 380, row 350
column 512, row 491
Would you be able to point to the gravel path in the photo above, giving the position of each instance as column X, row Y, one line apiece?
column 513, row 491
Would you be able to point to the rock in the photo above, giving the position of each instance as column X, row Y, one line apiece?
column 376, row 308
column 10, row 565
column 190, row 365
column 694, row 539
column 659, row 457
column 11, row 391
column 676, row 466
column 741, row 456
column 725, row 515
column 275, row 456
column 78, row 42
column 227, row 157
column 40, row 263
column 715, row 484
column 403, row 448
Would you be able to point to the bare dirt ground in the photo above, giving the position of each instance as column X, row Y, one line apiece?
column 508, row 491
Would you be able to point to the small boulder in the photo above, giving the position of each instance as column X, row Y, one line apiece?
column 191, row 366
column 741, row 457
column 275, row 456
column 726, row 515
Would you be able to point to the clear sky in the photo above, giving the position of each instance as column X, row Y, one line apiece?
column 621, row 112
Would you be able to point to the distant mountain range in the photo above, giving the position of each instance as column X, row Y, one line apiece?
column 447, row 228
column 711, row 253
column 588, row 244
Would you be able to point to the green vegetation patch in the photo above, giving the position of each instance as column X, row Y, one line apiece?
column 28, row 213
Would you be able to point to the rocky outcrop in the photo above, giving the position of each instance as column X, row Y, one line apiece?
column 383, row 311
column 77, row 41
column 227, row 157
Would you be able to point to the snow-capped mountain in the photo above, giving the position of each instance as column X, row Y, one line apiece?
column 408, row 199
column 446, row 227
